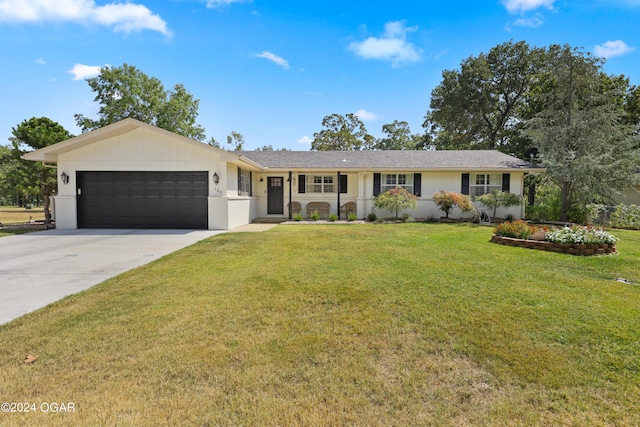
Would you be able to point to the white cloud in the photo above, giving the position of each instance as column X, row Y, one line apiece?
column 521, row 6
column 126, row 17
column 534, row 22
column 392, row 46
column 212, row 4
column 274, row 58
column 40, row 61
column 305, row 140
column 611, row 49
column 366, row 115
column 81, row 72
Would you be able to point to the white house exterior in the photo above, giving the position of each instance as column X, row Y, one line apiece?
column 133, row 175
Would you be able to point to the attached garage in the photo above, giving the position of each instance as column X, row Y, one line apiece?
column 142, row 199
column 134, row 175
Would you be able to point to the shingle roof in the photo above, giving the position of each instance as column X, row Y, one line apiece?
column 386, row 160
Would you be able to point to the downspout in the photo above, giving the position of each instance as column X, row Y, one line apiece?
column 290, row 195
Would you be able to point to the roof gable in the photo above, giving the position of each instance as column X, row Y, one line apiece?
column 51, row 153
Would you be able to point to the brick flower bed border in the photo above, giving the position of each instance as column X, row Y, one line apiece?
column 563, row 248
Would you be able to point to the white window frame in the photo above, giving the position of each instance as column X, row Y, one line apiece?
column 244, row 183
column 322, row 184
column 396, row 180
column 483, row 183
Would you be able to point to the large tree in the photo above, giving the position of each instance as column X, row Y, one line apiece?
column 398, row 136
column 479, row 106
column 584, row 143
column 8, row 193
column 125, row 91
column 31, row 178
column 342, row 133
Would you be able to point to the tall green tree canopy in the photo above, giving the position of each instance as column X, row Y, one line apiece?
column 480, row 105
column 398, row 136
column 7, row 165
column 584, row 143
column 31, row 178
column 342, row 133
column 126, row 92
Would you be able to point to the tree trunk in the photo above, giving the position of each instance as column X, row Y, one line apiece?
column 47, row 213
column 565, row 201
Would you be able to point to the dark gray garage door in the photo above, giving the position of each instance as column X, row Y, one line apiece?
column 142, row 199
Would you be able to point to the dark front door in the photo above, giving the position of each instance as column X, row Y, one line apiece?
column 275, row 195
column 142, row 199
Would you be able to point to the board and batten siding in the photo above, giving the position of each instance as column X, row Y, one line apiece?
column 139, row 150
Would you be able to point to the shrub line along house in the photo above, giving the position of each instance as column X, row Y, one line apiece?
column 133, row 175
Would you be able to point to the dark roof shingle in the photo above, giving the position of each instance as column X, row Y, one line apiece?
column 385, row 160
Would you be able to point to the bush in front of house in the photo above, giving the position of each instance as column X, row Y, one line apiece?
column 497, row 199
column 395, row 199
column 447, row 200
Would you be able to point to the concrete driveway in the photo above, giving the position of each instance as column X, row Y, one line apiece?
column 39, row 268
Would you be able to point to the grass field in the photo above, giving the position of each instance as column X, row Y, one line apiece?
column 12, row 214
column 371, row 325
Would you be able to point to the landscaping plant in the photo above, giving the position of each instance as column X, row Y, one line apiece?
column 626, row 216
column 576, row 234
column 447, row 200
column 496, row 199
column 395, row 199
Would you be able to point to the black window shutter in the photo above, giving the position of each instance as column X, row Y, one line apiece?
column 239, row 180
column 465, row 184
column 376, row 183
column 506, row 181
column 250, row 184
column 417, row 184
column 343, row 183
column 302, row 184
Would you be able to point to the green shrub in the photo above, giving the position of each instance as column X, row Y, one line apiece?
column 352, row 216
column 315, row 216
column 496, row 199
column 447, row 200
column 297, row 217
column 372, row 217
column 333, row 217
column 408, row 218
column 518, row 230
column 626, row 216
column 395, row 199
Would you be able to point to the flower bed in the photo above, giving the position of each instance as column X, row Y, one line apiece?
column 575, row 240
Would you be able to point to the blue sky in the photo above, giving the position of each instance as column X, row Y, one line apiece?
column 272, row 70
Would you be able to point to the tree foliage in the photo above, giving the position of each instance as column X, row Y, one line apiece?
column 496, row 199
column 8, row 193
column 126, row 92
column 395, row 199
column 447, row 200
column 398, row 136
column 235, row 140
column 31, row 178
column 584, row 144
column 480, row 105
column 342, row 133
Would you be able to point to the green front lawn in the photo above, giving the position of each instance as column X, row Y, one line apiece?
column 405, row 324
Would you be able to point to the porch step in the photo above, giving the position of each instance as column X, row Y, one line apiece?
column 269, row 220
